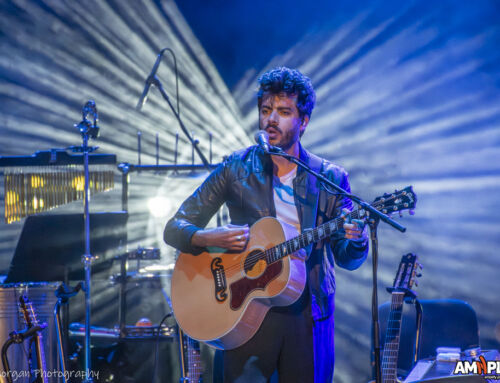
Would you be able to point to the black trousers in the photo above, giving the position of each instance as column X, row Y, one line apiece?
column 284, row 342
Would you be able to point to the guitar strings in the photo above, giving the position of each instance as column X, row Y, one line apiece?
column 262, row 255
column 390, row 354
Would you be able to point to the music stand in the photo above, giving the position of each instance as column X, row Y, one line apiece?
column 51, row 246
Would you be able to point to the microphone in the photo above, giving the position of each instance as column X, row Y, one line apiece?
column 262, row 139
column 149, row 81
column 88, row 108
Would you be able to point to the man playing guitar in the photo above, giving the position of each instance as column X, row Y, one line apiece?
column 296, row 340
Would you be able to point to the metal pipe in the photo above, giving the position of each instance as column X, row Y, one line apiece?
column 87, row 258
column 157, row 149
column 139, row 135
column 60, row 348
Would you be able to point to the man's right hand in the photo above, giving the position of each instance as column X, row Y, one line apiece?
column 231, row 237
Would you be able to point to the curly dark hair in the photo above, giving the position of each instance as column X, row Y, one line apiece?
column 292, row 82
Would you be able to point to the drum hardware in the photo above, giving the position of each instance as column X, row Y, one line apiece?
column 141, row 253
column 136, row 277
column 112, row 354
column 130, row 333
column 126, row 169
column 73, row 358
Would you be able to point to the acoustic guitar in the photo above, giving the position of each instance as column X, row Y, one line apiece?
column 221, row 297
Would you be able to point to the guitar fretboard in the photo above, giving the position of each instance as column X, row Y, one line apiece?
column 194, row 360
column 391, row 345
column 320, row 232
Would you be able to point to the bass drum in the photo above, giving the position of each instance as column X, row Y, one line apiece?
column 43, row 299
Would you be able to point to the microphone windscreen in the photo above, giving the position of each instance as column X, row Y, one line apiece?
column 259, row 135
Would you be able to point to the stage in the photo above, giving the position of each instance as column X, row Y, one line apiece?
column 407, row 94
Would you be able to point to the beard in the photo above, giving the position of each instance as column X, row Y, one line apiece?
column 287, row 139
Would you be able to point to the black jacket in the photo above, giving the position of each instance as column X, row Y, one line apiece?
column 244, row 183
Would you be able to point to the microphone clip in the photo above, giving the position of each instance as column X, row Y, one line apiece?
column 87, row 127
column 275, row 150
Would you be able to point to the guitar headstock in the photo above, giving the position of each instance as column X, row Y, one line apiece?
column 400, row 200
column 408, row 270
column 28, row 311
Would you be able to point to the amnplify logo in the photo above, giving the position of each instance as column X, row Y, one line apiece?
column 480, row 367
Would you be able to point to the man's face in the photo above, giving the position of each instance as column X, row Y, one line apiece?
column 279, row 116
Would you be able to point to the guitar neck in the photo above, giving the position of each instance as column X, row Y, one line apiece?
column 31, row 321
column 194, row 360
column 323, row 231
column 388, row 203
column 190, row 359
column 391, row 345
column 40, row 356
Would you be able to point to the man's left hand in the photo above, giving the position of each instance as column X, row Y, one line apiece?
column 355, row 229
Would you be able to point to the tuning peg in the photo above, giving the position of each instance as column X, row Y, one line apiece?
column 411, row 211
column 416, row 282
column 418, row 275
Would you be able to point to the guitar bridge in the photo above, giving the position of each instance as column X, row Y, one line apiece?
column 219, row 279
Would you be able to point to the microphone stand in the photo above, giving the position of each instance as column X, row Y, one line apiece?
column 153, row 80
column 87, row 130
column 156, row 82
column 375, row 217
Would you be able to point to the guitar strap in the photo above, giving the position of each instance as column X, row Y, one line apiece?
column 325, row 205
column 310, row 197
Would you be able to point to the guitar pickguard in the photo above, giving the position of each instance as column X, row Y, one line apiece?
column 241, row 288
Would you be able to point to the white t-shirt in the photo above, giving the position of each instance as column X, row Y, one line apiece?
column 284, row 200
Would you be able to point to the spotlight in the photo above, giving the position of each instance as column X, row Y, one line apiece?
column 159, row 206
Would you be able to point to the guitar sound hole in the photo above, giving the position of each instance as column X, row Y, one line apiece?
column 254, row 265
